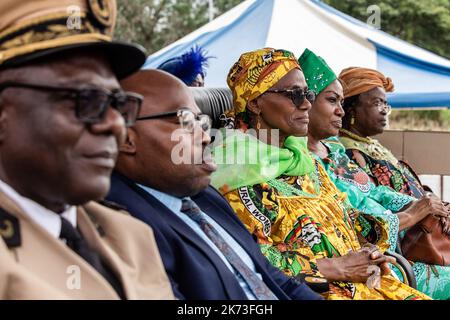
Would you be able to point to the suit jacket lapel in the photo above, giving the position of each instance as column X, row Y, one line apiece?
column 228, row 279
column 91, row 235
column 235, row 229
column 53, row 261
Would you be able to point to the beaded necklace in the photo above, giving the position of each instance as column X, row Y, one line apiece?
column 371, row 147
column 356, row 137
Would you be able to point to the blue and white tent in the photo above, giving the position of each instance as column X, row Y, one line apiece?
column 421, row 78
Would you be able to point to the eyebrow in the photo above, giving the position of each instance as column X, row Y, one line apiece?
column 337, row 94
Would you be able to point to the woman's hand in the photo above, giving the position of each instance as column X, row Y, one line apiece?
column 420, row 209
column 354, row 266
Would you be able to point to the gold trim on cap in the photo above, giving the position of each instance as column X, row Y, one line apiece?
column 102, row 10
column 49, row 31
column 53, row 43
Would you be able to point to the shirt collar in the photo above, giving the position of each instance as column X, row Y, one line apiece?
column 171, row 202
column 45, row 218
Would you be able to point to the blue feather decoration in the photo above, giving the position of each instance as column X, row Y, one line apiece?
column 187, row 66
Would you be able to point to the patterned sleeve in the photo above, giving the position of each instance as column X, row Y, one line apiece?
column 389, row 198
column 258, row 215
column 379, row 229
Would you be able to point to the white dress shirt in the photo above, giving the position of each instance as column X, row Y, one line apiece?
column 174, row 204
column 50, row 221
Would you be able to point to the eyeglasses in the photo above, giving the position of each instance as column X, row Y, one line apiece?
column 92, row 103
column 382, row 106
column 186, row 118
column 297, row 96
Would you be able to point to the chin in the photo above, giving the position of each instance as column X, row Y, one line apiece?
column 96, row 189
column 299, row 133
column 332, row 134
column 379, row 130
column 199, row 185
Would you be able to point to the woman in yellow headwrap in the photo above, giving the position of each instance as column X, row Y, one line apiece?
column 304, row 225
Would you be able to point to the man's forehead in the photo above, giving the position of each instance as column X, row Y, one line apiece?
column 156, row 101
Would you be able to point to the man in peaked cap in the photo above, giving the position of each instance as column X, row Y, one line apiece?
column 62, row 117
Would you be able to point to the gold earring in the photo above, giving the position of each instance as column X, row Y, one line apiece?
column 258, row 123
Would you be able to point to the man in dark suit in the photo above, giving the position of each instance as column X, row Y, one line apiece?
column 163, row 167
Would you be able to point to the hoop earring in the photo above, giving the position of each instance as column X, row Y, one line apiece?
column 258, row 123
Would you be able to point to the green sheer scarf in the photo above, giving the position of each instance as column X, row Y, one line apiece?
column 243, row 160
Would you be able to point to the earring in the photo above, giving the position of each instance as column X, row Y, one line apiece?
column 258, row 123
column 352, row 120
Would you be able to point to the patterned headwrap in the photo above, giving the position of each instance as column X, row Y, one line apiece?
column 317, row 73
column 257, row 71
column 358, row 80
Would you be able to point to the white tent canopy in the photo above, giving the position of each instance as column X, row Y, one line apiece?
column 421, row 78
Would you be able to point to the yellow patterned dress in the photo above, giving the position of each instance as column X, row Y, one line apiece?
column 300, row 219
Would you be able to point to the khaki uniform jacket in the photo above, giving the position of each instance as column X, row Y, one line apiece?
column 35, row 265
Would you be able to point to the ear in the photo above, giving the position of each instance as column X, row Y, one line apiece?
column 3, row 117
column 129, row 146
column 253, row 106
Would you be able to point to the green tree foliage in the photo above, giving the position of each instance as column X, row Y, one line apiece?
column 425, row 23
column 157, row 23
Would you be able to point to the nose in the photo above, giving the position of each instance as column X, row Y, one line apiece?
column 340, row 111
column 306, row 105
column 206, row 138
column 385, row 109
column 112, row 123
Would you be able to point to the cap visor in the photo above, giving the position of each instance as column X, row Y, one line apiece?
column 125, row 58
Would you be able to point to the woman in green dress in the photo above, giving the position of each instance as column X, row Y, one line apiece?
column 400, row 211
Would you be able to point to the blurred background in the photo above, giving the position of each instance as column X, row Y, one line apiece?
column 426, row 23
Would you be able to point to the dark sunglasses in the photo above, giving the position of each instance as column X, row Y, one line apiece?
column 297, row 96
column 92, row 103
column 186, row 118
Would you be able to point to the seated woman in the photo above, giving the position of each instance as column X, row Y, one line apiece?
column 303, row 224
column 366, row 115
column 325, row 119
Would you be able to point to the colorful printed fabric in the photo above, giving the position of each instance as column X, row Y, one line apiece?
column 242, row 159
column 363, row 195
column 432, row 280
column 298, row 220
column 383, row 167
column 257, row 71
column 359, row 80
column 318, row 74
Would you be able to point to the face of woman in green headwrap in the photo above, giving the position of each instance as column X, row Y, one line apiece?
column 278, row 111
column 325, row 116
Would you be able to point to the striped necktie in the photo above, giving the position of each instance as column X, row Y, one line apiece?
column 256, row 285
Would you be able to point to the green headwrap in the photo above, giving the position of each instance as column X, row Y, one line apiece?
column 243, row 160
column 317, row 73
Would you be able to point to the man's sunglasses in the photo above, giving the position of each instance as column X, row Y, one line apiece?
column 297, row 96
column 92, row 103
column 186, row 118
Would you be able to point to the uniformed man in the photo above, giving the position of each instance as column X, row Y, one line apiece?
column 62, row 117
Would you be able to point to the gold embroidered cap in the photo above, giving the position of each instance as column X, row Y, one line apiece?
column 31, row 29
